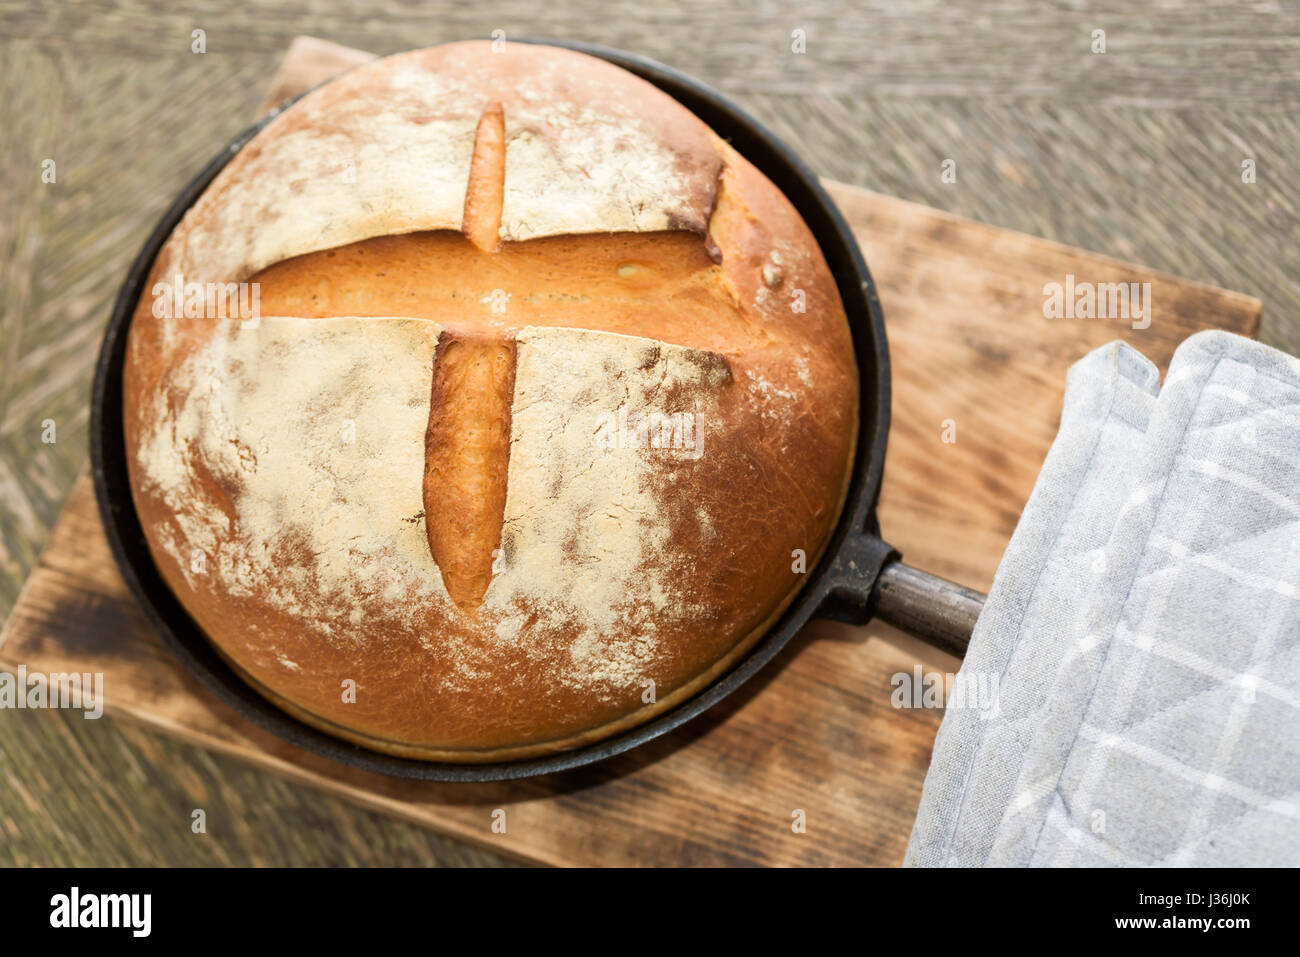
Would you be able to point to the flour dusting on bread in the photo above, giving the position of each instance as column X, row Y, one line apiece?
column 584, row 536
column 310, row 433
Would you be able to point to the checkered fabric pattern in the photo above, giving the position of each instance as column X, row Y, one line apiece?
column 1143, row 631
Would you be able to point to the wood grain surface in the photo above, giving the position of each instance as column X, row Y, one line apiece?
column 1135, row 153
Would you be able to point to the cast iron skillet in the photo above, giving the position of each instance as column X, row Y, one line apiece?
column 859, row 575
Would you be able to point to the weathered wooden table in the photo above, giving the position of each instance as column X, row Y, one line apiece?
column 1136, row 153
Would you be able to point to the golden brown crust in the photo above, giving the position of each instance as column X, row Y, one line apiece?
column 339, row 477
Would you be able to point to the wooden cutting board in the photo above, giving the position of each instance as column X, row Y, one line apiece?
column 816, row 732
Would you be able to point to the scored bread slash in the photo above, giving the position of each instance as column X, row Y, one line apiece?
column 467, row 446
column 552, row 388
column 467, row 453
column 485, row 191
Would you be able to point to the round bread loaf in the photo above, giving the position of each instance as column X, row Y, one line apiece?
column 542, row 402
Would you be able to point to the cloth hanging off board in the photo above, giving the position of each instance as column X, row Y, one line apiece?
column 1142, row 631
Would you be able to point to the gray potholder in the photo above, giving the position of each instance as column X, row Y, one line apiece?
column 1143, row 630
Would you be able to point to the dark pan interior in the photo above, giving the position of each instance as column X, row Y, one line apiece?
column 854, row 538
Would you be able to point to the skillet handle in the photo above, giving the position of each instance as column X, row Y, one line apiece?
column 939, row 612
column 867, row 580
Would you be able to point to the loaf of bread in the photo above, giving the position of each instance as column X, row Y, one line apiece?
column 547, row 404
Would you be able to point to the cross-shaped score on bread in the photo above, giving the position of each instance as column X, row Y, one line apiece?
column 482, row 291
